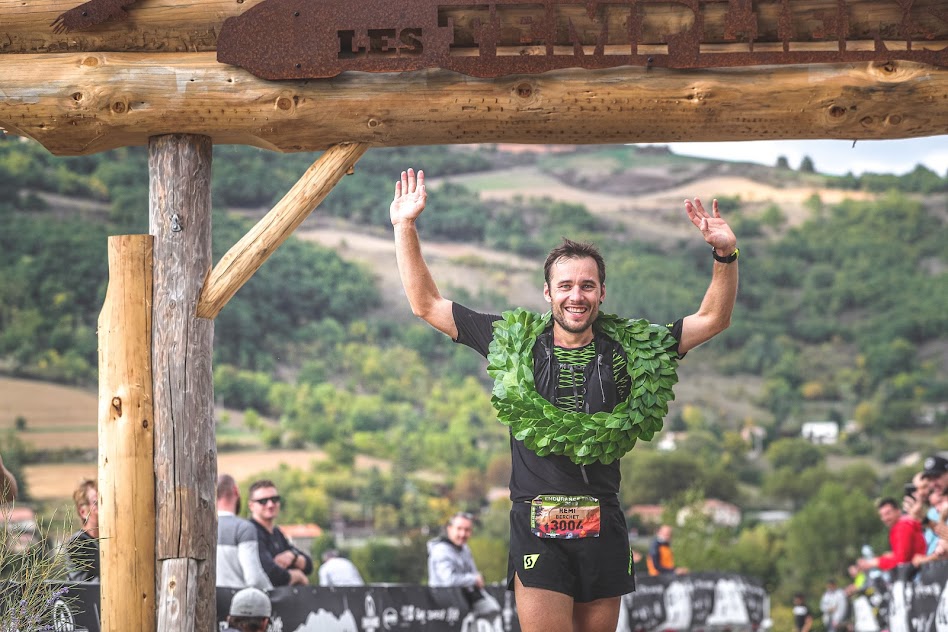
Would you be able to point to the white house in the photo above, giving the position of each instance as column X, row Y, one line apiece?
column 821, row 432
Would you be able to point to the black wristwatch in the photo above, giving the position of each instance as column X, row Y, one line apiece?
column 731, row 258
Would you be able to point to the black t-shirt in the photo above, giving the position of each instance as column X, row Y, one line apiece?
column 532, row 475
column 800, row 614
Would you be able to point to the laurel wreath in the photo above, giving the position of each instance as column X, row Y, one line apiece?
column 584, row 438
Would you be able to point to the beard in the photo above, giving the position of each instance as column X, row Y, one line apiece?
column 561, row 318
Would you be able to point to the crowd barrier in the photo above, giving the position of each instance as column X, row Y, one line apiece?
column 699, row 601
column 912, row 600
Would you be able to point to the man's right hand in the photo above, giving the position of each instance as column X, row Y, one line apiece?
column 284, row 559
column 297, row 578
column 410, row 197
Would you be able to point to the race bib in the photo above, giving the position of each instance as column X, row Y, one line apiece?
column 565, row 517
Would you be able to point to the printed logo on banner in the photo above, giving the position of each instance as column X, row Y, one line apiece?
column 529, row 561
column 389, row 618
column 941, row 612
column 898, row 608
column 729, row 607
column 371, row 621
column 677, row 599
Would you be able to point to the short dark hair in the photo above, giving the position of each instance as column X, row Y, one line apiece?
column 225, row 485
column 248, row 624
column 570, row 249
column 888, row 500
column 263, row 482
column 461, row 514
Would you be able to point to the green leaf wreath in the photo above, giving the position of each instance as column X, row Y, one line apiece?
column 584, row 438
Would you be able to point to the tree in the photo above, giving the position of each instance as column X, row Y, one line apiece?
column 782, row 162
column 826, row 536
column 806, row 165
column 796, row 454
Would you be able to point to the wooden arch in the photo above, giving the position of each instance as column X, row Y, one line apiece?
column 146, row 72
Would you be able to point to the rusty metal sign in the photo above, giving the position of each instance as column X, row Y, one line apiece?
column 299, row 39
column 91, row 13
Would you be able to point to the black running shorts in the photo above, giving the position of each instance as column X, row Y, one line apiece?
column 586, row 569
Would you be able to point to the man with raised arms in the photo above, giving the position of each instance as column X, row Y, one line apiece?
column 569, row 561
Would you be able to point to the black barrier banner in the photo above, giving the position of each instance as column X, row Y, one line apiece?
column 915, row 601
column 698, row 600
column 381, row 608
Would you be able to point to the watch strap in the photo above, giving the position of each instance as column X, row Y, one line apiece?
column 731, row 258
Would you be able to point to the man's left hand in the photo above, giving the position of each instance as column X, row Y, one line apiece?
column 715, row 230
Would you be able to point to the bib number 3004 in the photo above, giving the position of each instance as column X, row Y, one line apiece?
column 565, row 517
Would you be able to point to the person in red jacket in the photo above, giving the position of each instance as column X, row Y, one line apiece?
column 905, row 538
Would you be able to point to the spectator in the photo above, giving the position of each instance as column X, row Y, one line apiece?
column 284, row 564
column 660, row 560
column 83, row 545
column 250, row 611
column 833, row 605
column 936, row 471
column 937, row 547
column 936, row 474
column 905, row 538
column 8, row 487
column 338, row 571
column 238, row 552
column 802, row 619
column 450, row 563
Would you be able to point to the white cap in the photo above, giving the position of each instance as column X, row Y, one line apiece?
column 250, row 602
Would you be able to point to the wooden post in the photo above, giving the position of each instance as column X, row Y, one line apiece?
column 254, row 248
column 126, row 441
column 179, row 168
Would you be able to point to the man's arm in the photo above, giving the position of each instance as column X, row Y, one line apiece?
column 714, row 314
column 8, row 487
column 278, row 575
column 423, row 295
column 248, row 554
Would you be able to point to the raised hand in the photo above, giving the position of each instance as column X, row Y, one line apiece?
column 410, row 197
column 714, row 229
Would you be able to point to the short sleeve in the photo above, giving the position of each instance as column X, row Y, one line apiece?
column 475, row 330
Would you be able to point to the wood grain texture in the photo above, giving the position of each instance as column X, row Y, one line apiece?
column 185, row 450
column 178, row 590
column 126, row 439
column 93, row 102
column 247, row 255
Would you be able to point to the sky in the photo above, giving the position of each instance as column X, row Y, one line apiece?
column 835, row 157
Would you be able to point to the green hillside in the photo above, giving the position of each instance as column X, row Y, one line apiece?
column 842, row 315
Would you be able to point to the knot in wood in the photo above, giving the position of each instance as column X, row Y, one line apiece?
column 117, row 404
column 284, row 103
column 524, row 91
column 837, row 111
column 119, row 107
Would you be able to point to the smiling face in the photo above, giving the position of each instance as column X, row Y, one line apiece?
column 265, row 505
column 459, row 530
column 889, row 515
column 574, row 293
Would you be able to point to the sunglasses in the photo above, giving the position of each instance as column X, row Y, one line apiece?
column 269, row 499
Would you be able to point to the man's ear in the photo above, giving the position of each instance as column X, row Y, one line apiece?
column 546, row 293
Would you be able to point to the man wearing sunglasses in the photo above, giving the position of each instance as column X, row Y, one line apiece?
column 284, row 564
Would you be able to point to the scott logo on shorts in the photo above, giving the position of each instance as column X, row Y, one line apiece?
column 529, row 561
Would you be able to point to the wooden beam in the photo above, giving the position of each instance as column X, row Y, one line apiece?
column 93, row 102
column 247, row 255
column 126, row 439
column 189, row 26
column 179, row 169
